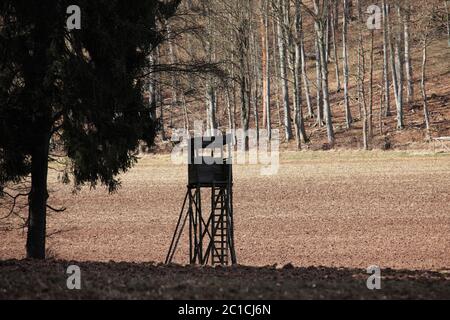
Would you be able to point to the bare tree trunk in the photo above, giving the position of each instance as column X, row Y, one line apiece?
column 290, row 37
column 232, row 95
column 387, row 84
column 447, row 5
column 264, row 56
column 362, row 97
column 174, row 80
column 160, row 100
column 408, row 62
column 257, row 77
column 156, row 95
column 380, row 116
column 395, row 65
column 306, row 84
column 319, row 99
column 304, row 69
column 320, row 30
column 231, row 122
column 348, row 114
column 211, row 107
column 211, row 99
column 327, row 38
column 277, row 75
column 283, row 69
column 243, row 40
column 399, row 68
column 335, row 51
column 370, row 120
column 245, row 102
column 186, row 114
column 423, row 86
column 358, row 77
column 299, row 121
column 361, row 77
column 152, row 91
column 266, row 67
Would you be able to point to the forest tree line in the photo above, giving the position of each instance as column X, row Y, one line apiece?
column 274, row 64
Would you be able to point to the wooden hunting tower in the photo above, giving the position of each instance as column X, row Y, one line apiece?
column 211, row 239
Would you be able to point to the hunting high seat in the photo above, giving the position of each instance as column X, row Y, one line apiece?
column 211, row 240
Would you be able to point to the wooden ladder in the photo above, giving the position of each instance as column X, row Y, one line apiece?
column 219, row 228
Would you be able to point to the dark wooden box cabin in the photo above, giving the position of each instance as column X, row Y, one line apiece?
column 208, row 165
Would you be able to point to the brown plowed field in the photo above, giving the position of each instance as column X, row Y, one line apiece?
column 335, row 209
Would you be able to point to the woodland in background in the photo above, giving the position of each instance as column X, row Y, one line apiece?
column 295, row 65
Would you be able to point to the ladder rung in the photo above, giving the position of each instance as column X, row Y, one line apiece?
column 220, row 225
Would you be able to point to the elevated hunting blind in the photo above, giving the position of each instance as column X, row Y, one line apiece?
column 211, row 239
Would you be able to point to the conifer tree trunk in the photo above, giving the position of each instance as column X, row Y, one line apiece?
column 36, row 235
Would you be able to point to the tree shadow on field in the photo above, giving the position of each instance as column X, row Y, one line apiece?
column 48, row 280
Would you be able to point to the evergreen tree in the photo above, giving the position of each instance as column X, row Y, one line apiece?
column 81, row 87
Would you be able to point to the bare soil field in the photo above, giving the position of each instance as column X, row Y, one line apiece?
column 337, row 209
column 341, row 209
